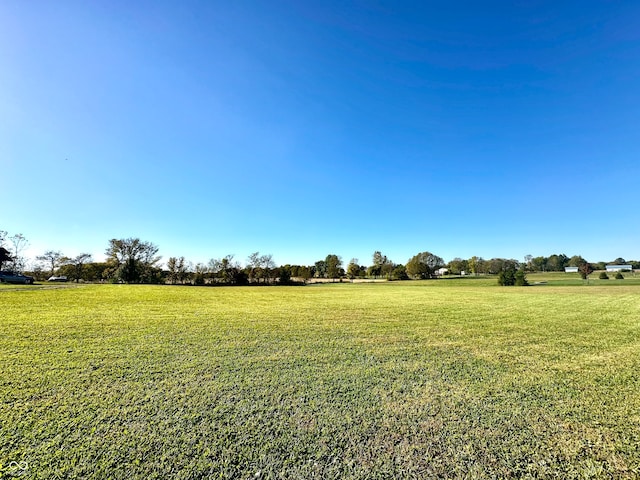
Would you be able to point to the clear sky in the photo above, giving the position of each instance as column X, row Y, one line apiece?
column 303, row 128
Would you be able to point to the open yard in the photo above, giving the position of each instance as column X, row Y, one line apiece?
column 448, row 378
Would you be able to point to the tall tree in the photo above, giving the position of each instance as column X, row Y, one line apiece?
column 253, row 266
column 575, row 261
column 18, row 244
column 585, row 269
column 423, row 265
column 353, row 269
column 333, row 264
column 135, row 261
column 267, row 265
column 177, row 270
column 52, row 259
column 77, row 265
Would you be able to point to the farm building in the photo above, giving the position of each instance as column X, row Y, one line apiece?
column 619, row 268
column 571, row 269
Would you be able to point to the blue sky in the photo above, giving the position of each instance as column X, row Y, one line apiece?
column 496, row 129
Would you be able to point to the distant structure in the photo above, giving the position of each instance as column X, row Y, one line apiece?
column 619, row 268
column 571, row 269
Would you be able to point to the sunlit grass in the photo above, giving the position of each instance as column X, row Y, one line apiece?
column 406, row 379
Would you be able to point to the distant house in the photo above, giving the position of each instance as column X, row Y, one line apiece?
column 619, row 268
column 442, row 271
column 571, row 269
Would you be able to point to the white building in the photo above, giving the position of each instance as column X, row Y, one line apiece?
column 571, row 269
column 619, row 268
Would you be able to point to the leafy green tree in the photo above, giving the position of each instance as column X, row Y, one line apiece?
column 52, row 259
column 423, row 265
column 539, row 264
column 510, row 274
column 178, row 270
column 77, row 265
column 320, row 269
column 333, row 264
column 284, row 275
column 458, row 265
column 305, row 273
column 133, row 260
column 353, row 269
column 556, row 263
column 399, row 273
column 521, row 278
column 576, row 261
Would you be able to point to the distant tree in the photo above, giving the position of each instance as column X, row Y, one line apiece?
column 267, row 264
column 200, row 272
column 399, row 273
column 423, row 265
column 458, row 265
column 521, row 278
column 52, row 259
column 527, row 261
column 133, row 260
column 333, row 263
column 585, row 269
column 5, row 257
column 619, row 276
column 18, row 244
column 576, row 261
column 603, row 276
column 353, row 269
column 477, row 265
column 320, row 269
column 556, row 263
column 284, row 275
column 177, row 270
column 253, row 266
column 538, row 264
column 77, row 265
column 305, row 273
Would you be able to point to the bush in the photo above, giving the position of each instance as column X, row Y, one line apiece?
column 510, row 276
column 521, row 279
column 603, row 276
column 619, row 276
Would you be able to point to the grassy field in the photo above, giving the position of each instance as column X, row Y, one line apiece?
column 449, row 378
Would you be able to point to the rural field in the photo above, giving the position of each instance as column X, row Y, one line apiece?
column 436, row 379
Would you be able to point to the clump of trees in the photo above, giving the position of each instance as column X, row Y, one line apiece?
column 512, row 275
column 423, row 265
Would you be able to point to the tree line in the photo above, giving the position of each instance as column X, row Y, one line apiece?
column 131, row 260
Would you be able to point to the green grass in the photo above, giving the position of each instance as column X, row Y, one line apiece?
column 450, row 378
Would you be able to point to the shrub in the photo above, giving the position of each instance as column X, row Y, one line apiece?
column 619, row 276
column 603, row 276
column 521, row 279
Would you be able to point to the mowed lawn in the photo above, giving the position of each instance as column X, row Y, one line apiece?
column 453, row 379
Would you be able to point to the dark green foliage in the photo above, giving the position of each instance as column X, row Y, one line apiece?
column 4, row 256
column 510, row 275
column 423, row 265
column 521, row 279
column 603, row 276
column 619, row 276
